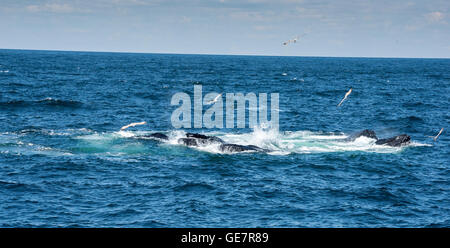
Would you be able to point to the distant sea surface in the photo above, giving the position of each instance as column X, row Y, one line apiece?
column 64, row 162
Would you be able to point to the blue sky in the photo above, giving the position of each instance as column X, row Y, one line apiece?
column 332, row 28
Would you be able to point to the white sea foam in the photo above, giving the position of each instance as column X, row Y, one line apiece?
column 13, row 145
column 417, row 144
column 302, row 142
column 279, row 143
column 126, row 134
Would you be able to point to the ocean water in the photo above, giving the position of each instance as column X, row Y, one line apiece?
column 64, row 162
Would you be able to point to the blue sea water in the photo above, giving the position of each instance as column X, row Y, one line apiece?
column 63, row 162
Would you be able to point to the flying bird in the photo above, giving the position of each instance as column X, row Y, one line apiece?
column 345, row 97
column 437, row 136
column 132, row 125
column 215, row 99
column 293, row 40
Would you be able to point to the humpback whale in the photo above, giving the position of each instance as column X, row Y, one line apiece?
column 396, row 141
column 366, row 133
column 159, row 136
column 195, row 140
column 241, row 148
column 188, row 141
column 399, row 140
column 198, row 140
column 204, row 139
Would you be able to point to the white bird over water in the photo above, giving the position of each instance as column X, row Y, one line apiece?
column 437, row 136
column 345, row 97
column 215, row 99
column 132, row 125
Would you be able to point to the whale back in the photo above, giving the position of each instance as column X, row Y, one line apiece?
column 236, row 148
column 204, row 139
column 188, row 141
column 366, row 133
column 159, row 136
column 399, row 140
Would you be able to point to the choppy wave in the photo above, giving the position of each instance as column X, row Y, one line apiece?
column 52, row 132
column 11, row 143
column 313, row 176
column 43, row 102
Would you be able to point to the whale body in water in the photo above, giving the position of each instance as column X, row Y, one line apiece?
column 366, row 133
column 399, row 140
column 160, row 136
column 195, row 139
column 395, row 141
column 198, row 140
column 241, row 148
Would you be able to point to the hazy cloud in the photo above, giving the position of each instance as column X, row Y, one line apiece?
column 435, row 16
column 54, row 8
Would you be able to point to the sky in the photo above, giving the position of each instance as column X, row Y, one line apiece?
column 344, row 28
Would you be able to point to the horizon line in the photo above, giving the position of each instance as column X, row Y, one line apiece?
column 218, row 54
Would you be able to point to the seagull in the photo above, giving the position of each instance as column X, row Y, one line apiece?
column 215, row 99
column 345, row 97
column 132, row 125
column 293, row 40
column 437, row 136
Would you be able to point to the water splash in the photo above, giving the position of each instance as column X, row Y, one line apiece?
column 134, row 142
